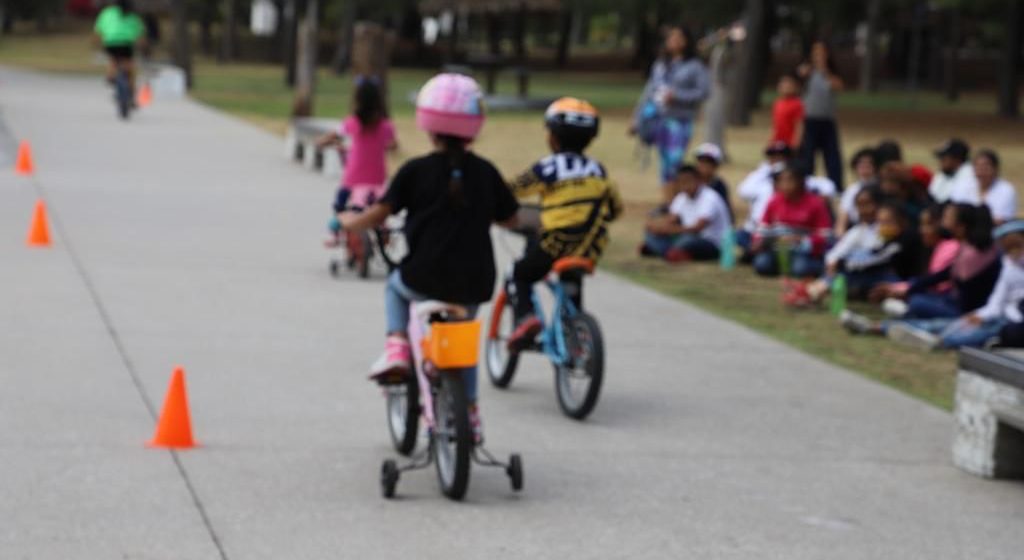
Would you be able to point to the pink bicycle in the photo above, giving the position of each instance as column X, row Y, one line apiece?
column 445, row 343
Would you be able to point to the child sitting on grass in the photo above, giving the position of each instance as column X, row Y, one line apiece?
column 982, row 326
column 695, row 225
column 973, row 274
column 796, row 222
column 877, row 250
column 864, row 168
column 942, row 250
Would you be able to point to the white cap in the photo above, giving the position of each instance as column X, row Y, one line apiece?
column 710, row 151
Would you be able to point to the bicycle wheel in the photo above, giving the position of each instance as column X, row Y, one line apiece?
column 123, row 93
column 453, row 437
column 500, row 362
column 403, row 408
column 578, row 383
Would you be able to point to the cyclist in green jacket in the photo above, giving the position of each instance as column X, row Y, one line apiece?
column 120, row 28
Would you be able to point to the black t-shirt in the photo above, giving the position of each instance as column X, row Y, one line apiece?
column 450, row 255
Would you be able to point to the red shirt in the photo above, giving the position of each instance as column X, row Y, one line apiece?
column 807, row 213
column 786, row 115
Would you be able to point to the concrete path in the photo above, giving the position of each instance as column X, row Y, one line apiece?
column 185, row 238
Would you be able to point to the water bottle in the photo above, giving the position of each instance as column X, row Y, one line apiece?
column 727, row 257
column 838, row 302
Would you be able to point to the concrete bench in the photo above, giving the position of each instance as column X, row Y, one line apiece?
column 166, row 80
column 989, row 434
column 300, row 145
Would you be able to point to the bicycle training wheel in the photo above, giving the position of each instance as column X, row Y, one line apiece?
column 500, row 362
column 453, row 437
column 578, row 383
column 403, row 408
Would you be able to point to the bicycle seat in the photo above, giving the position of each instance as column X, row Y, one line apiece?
column 426, row 309
column 573, row 264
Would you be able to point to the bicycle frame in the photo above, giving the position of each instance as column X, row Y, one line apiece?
column 553, row 336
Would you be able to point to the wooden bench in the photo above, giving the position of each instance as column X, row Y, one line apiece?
column 989, row 435
column 300, row 145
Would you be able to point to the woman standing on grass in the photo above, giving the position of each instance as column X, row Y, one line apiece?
column 678, row 84
column 821, row 134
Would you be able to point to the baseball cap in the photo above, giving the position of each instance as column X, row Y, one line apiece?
column 707, row 150
column 954, row 147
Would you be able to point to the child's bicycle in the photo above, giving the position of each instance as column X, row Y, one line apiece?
column 571, row 339
column 444, row 343
column 360, row 248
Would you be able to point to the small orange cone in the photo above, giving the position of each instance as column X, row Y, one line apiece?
column 39, row 231
column 174, row 429
column 145, row 96
column 23, row 165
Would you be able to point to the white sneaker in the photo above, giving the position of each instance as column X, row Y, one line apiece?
column 912, row 336
column 895, row 308
column 856, row 324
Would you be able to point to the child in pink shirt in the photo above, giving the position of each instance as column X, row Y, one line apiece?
column 370, row 134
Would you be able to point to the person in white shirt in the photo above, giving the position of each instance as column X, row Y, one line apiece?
column 695, row 225
column 955, row 170
column 990, row 189
column 864, row 168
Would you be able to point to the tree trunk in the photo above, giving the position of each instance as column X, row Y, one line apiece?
column 950, row 83
column 1009, row 87
column 920, row 11
column 229, row 40
column 746, row 86
column 305, row 87
column 643, row 51
column 564, row 38
column 343, row 53
column 494, row 25
column 291, row 31
column 206, row 30
column 371, row 54
column 182, row 46
column 519, row 33
column 453, row 38
column 869, row 64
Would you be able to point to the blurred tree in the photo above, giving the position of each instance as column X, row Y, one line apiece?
column 229, row 36
column 308, row 44
column 182, row 40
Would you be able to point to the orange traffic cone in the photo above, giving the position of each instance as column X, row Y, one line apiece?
column 145, row 96
column 39, row 230
column 23, row 165
column 174, row 429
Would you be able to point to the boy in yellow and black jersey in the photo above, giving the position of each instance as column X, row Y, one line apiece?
column 577, row 203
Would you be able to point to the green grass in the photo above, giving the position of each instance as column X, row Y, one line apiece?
column 741, row 296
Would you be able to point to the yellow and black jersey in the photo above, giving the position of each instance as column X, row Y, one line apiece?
column 577, row 202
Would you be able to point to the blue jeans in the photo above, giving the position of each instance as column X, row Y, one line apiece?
column 398, row 298
column 802, row 264
column 859, row 282
column 697, row 247
column 955, row 333
column 932, row 306
column 672, row 139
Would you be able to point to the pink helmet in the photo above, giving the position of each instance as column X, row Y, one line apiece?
column 450, row 104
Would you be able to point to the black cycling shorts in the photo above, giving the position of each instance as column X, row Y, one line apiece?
column 121, row 52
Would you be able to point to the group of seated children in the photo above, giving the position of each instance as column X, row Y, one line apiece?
column 940, row 251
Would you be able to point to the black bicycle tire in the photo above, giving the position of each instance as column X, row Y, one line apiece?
column 452, row 385
column 595, row 370
column 405, row 443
